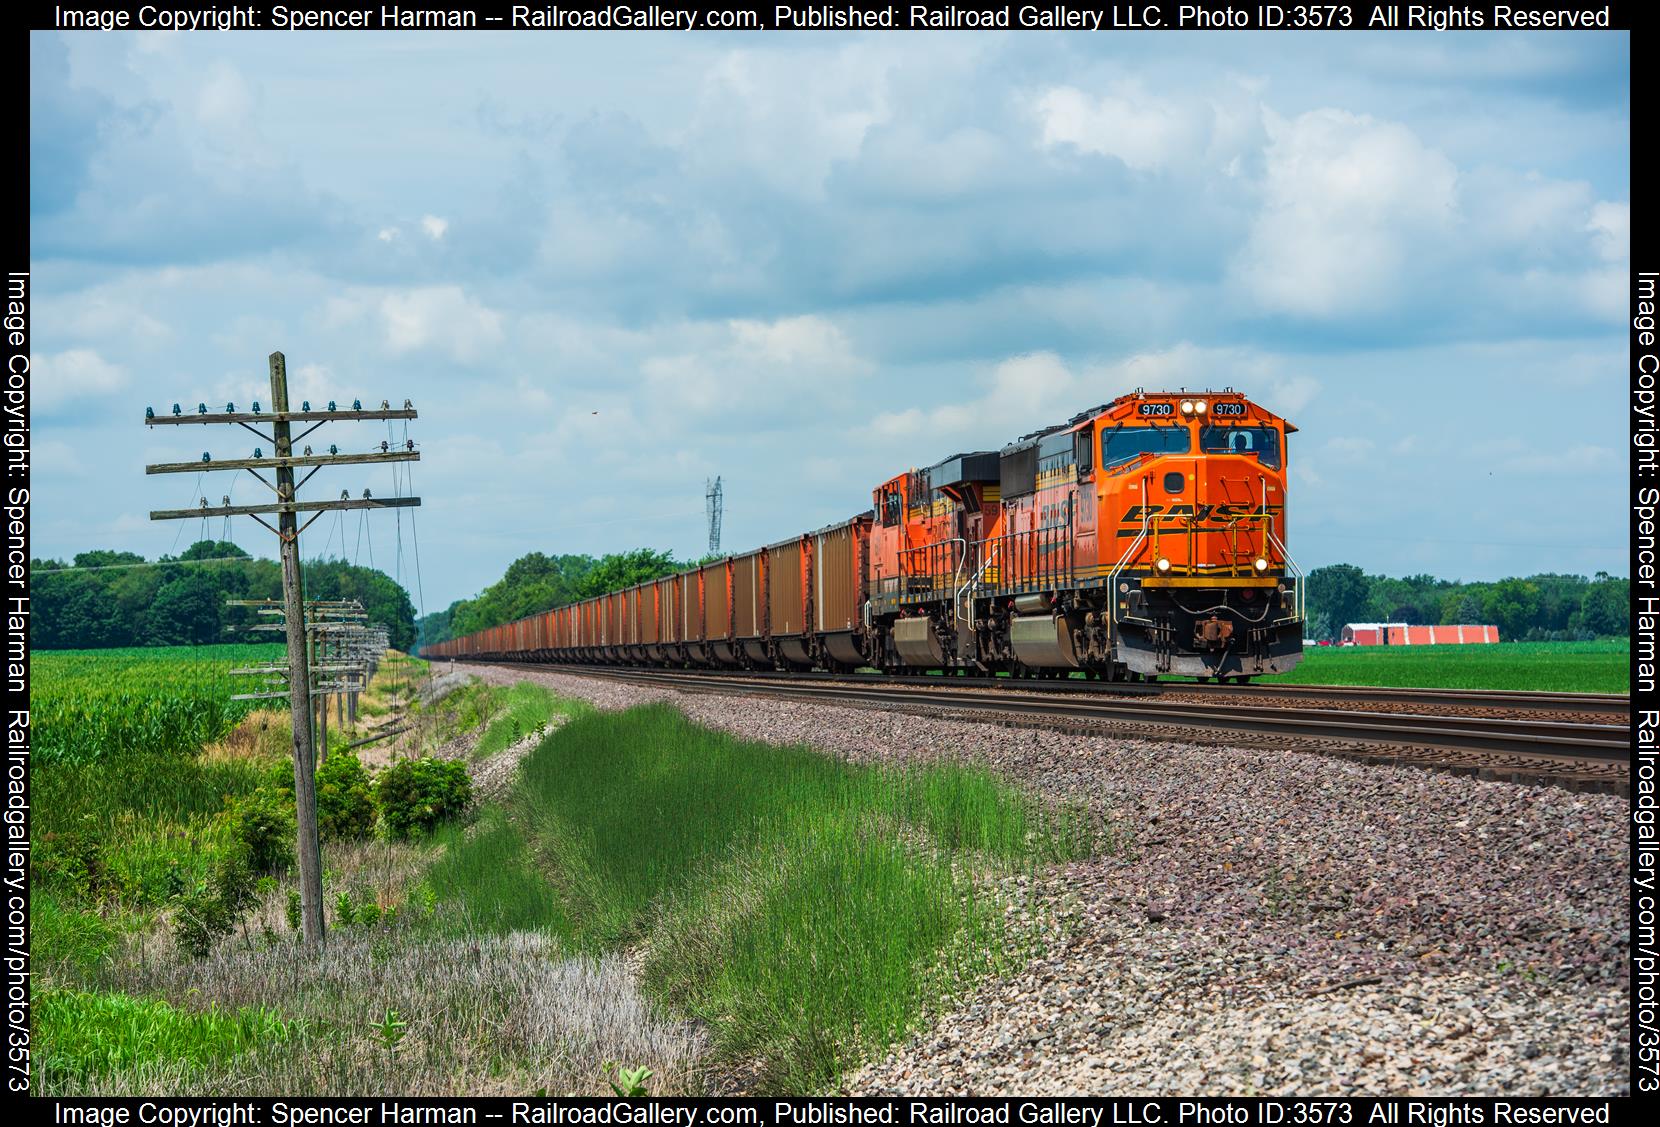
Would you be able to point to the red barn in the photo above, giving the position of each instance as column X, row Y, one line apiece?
column 1400, row 634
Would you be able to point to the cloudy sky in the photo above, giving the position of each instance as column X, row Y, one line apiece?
column 608, row 266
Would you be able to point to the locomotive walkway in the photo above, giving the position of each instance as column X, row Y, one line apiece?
column 1579, row 741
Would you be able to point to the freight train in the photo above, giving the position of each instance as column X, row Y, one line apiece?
column 1143, row 538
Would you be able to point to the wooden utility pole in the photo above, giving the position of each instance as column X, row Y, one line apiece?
column 286, row 509
column 299, row 677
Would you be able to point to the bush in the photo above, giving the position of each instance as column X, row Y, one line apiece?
column 280, row 778
column 345, row 801
column 214, row 908
column 69, row 860
column 415, row 795
column 263, row 825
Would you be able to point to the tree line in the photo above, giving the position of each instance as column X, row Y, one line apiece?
column 1539, row 608
column 103, row 599
column 538, row 582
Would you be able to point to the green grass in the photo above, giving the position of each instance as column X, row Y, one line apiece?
column 1570, row 667
column 489, row 872
column 815, row 949
column 61, row 935
column 516, row 711
column 808, row 910
column 83, row 1036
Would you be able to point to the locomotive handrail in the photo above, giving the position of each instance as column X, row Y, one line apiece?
column 929, row 554
column 991, row 554
column 1014, row 575
column 1123, row 561
column 1302, row 587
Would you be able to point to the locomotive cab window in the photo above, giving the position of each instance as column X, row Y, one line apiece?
column 890, row 507
column 1264, row 442
column 1129, row 443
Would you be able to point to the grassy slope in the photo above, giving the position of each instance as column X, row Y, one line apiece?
column 1572, row 667
column 809, row 911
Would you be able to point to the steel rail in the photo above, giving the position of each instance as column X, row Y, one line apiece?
column 1463, row 733
column 1611, row 704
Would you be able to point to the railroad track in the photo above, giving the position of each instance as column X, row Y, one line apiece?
column 1571, row 752
column 1489, row 701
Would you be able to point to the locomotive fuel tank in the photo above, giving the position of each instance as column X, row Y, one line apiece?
column 1043, row 641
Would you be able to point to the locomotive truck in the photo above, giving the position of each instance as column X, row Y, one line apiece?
column 1143, row 538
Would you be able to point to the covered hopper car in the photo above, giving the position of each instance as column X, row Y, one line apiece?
column 1146, row 537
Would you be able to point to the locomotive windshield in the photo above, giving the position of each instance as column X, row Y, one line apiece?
column 1264, row 442
column 1129, row 443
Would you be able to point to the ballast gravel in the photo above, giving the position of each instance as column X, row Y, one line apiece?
column 1262, row 922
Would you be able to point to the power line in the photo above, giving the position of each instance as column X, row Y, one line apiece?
column 37, row 574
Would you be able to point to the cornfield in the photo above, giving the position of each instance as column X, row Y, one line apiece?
column 92, row 705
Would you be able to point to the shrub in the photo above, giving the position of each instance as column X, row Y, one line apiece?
column 263, row 825
column 280, row 777
column 345, row 800
column 213, row 909
column 70, row 860
column 415, row 795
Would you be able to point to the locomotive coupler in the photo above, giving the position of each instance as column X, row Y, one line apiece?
column 1212, row 633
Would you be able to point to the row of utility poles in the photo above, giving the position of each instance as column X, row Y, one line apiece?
column 344, row 650
column 286, row 507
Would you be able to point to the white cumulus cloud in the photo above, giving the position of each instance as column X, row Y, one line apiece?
column 439, row 317
column 61, row 378
column 1144, row 132
column 753, row 366
column 1348, row 202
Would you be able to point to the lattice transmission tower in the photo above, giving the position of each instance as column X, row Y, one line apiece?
column 712, row 505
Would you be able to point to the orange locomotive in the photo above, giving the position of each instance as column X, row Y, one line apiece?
column 1145, row 537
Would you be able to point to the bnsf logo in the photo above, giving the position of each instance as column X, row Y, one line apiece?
column 1221, row 514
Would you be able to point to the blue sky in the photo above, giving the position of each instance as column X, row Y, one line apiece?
column 608, row 266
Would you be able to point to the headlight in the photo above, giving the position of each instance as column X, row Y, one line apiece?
column 1163, row 564
column 1199, row 406
column 1187, row 406
column 1262, row 565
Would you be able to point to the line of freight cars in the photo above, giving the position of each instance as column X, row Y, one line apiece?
column 1141, row 538
column 794, row 604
